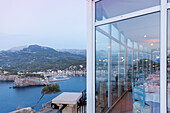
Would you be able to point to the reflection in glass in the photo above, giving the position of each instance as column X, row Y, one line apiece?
column 127, row 57
column 141, row 62
column 102, row 44
column 136, row 63
column 110, row 8
column 115, row 32
column 115, row 67
column 122, row 70
column 129, row 67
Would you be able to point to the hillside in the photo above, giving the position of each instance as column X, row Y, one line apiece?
column 38, row 58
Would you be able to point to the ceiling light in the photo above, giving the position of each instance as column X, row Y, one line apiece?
column 157, row 57
column 145, row 36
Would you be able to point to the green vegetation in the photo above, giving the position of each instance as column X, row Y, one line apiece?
column 48, row 90
column 10, row 71
column 36, row 58
column 51, row 89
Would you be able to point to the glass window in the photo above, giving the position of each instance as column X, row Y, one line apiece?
column 123, row 39
column 110, row 8
column 135, row 45
column 105, row 28
column 135, row 30
column 136, row 64
column 115, row 32
column 141, row 47
column 134, row 59
column 123, row 69
column 145, row 63
column 141, row 62
column 149, row 50
column 149, row 63
column 102, row 49
column 115, row 71
column 145, row 49
column 129, row 67
column 129, row 43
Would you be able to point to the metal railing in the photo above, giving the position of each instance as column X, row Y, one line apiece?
column 81, row 104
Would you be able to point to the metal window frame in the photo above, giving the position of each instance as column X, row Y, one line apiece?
column 91, row 24
column 90, row 56
column 163, row 57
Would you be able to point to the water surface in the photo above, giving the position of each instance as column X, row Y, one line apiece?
column 10, row 99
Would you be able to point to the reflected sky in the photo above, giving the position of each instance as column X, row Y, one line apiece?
column 112, row 8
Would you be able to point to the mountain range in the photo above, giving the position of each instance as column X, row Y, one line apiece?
column 38, row 58
column 73, row 51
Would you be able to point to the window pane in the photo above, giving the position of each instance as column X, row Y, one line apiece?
column 110, row 8
column 102, row 44
column 122, row 70
column 123, row 39
column 129, row 43
column 115, row 32
column 145, row 63
column 105, row 28
column 145, row 49
column 136, row 64
column 145, row 31
column 141, row 62
column 130, row 54
column 129, row 68
column 115, row 69
column 141, row 47
column 135, row 45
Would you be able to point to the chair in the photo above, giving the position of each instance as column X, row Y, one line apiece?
column 138, row 94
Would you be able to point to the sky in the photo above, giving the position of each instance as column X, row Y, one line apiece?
column 58, row 24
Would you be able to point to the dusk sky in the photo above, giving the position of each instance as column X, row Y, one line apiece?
column 54, row 23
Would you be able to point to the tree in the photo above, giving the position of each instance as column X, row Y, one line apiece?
column 55, row 88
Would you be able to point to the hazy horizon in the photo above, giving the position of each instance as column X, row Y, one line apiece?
column 51, row 23
column 25, row 46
